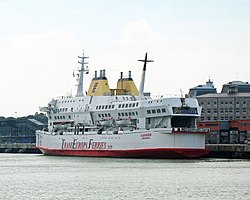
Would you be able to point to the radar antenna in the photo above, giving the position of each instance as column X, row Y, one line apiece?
column 81, row 74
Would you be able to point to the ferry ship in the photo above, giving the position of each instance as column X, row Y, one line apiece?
column 123, row 122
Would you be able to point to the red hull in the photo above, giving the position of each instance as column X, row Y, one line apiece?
column 137, row 153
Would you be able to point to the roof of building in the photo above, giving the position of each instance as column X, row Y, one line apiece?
column 36, row 122
column 216, row 95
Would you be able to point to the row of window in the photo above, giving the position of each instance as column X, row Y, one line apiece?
column 154, row 101
column 226, row 110
column 128, row 105
column 70, row 101
column 119, row 114
column 61, row 117
column 215, row 103
column 127, row 114
column 105, row 107
column 163, row 110
column 224, row 118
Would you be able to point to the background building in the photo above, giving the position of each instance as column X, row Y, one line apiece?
column 227, row 114
column 21, row 130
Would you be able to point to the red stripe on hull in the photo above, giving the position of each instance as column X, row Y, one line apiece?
column 136, row 153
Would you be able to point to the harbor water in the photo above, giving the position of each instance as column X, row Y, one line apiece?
column 34, row 176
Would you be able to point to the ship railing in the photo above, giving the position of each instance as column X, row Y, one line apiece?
column 191, row 130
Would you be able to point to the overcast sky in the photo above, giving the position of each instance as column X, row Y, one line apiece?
column 189, row 40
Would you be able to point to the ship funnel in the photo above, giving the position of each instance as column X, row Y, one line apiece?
column 103, row 73
column 100, row 73
column 126, row 85
column 141, row 90
column 95, row 74
column 129, row 74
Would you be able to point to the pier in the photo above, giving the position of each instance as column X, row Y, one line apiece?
column 228, row 150
column 238, row 151
column 18, row 148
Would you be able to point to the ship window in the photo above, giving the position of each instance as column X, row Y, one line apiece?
column 99, row 115
column 109, row 115
column 96, row 107
column 148, row 112
column 136, row 112
column 49, row 117
column 122, row 114
column 119, row 106
column 103, row 107
column 163, row 110
column 69, row 117
column 133, row 113
column 109, row 106
column 119, row 114
column 113, row 106
column 130, row 105
column 133, row 105
column 100, row 107
column 66, row 109
column 126, row 114
column 106, row 107
column 106, row 115
column 129, row 113
column 126, row 105
column 137, row 104
column 153, row 111
column 102, row 115
column 158, row 111
column 123, row 105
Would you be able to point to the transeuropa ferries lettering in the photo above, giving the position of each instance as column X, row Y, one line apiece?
column 90, row 145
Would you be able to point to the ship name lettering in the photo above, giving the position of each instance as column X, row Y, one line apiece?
column 97, row 145
column 146, row 136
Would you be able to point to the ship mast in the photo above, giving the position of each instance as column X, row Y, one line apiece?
column 141, row 90
column 81, row 73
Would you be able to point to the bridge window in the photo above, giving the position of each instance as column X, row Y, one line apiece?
column 148, row 111
column 163, row 110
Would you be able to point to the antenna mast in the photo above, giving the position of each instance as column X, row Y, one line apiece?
column 81, row 73
column 141, row 90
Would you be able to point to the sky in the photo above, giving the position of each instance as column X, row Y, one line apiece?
column 190, row 41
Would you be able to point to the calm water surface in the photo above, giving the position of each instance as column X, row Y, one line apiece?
column 28, row 176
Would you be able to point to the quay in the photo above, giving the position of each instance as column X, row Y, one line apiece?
column 237, row 151
column 241, row 151
column 18, row 148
